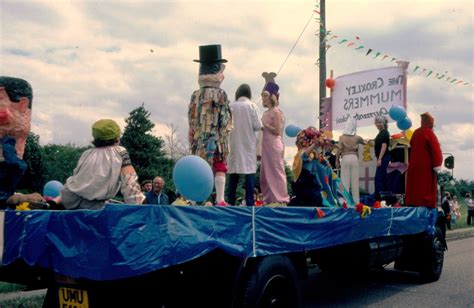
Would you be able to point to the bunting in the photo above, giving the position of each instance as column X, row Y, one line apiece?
column 328, row 36
column 425, row 72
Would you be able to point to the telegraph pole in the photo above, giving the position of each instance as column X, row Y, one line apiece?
column 322, row 58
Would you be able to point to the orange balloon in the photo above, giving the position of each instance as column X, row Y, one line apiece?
column 330, row 83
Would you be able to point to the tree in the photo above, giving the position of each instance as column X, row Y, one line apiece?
column 174, row 147
column 33, row 179
column 146, row 151
column 59, row 161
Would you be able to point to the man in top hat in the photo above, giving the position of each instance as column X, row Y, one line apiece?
column 209, row 116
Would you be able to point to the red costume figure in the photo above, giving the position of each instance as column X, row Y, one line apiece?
column 425, row 161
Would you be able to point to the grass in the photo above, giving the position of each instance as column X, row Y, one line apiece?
column 6, row 287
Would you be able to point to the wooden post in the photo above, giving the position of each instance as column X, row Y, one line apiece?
column 322, row 57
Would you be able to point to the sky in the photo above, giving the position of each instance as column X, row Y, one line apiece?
column 88, row 60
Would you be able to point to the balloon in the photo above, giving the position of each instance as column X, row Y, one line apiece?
column 408, row 134
column 52, row 189
column 397, row 136
column 193, row 178
column 397, row 113
column 292, row 130
column 404, row 124
column 330, row 83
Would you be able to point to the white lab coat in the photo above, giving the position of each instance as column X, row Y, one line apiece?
column 242, row 158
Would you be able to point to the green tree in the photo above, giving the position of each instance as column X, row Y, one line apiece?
column 33, row 179
column 59, row 161
column 146, row 151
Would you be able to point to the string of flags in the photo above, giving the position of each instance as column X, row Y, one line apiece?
column 330, row 39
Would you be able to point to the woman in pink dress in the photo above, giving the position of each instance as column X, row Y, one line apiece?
column 272, row 170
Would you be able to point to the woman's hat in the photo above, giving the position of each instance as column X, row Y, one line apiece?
column 210, row 54
column 105, row 129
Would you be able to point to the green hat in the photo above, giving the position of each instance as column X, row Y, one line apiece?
column 105, row 129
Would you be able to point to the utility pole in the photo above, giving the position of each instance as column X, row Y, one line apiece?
column 322, row 58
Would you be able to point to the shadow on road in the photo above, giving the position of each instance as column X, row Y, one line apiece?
column 354, row 289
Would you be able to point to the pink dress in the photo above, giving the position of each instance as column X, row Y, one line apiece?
column 272, row 170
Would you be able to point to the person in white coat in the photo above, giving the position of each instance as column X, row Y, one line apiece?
column 242, row 157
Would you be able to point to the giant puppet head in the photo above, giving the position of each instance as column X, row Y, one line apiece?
column 16, row 97
column 211, row 69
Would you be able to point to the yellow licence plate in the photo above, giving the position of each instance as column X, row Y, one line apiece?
column 73, row 298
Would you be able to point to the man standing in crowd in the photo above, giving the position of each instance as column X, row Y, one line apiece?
column 156, row 195
column 146, row 186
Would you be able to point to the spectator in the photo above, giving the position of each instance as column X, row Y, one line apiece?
column 446, row 206
column 156, row 195
column 101, row 172
column 243, row 141
column 455, row 213
column 382, row 140
column 470, row 208
column 272, row 169
column 425, row 160
column 348, row 150
column 146, row 186
column 209, row 116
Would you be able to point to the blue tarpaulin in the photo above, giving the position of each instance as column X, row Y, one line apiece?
column 123, row 241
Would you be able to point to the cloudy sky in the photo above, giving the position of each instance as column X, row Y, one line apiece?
column 101, row 59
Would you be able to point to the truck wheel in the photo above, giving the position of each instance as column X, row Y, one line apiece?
column 432, row 267
column 273, row 282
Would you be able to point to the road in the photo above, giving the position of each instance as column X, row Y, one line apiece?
column 390, row 288
column 387, row 288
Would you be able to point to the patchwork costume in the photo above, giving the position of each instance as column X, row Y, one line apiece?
column 209, row 115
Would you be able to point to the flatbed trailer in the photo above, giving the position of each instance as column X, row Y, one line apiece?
column 200, row 256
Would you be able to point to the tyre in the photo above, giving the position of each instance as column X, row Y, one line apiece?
column 432, row 266
column 271, row 282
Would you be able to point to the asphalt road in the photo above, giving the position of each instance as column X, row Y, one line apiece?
column 390, row 288
column 384, row 288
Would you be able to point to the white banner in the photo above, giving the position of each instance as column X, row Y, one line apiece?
column 365, row 95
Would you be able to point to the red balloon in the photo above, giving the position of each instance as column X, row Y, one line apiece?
column 330, row 83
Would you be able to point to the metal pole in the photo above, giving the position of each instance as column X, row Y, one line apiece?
column 322, row 58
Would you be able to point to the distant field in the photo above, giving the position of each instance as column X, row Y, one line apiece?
column 6, row 287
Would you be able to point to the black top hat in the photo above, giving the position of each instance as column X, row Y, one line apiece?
column 210, row 54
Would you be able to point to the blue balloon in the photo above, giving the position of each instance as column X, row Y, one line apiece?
column 52, row 189
column 193, row 178
column 404, row 124
column 397, row 113
column 292, row 130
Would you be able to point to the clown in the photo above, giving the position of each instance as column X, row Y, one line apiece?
column 315, row 184
column 209, row 116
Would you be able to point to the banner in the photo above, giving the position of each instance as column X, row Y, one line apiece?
column 367, row 94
